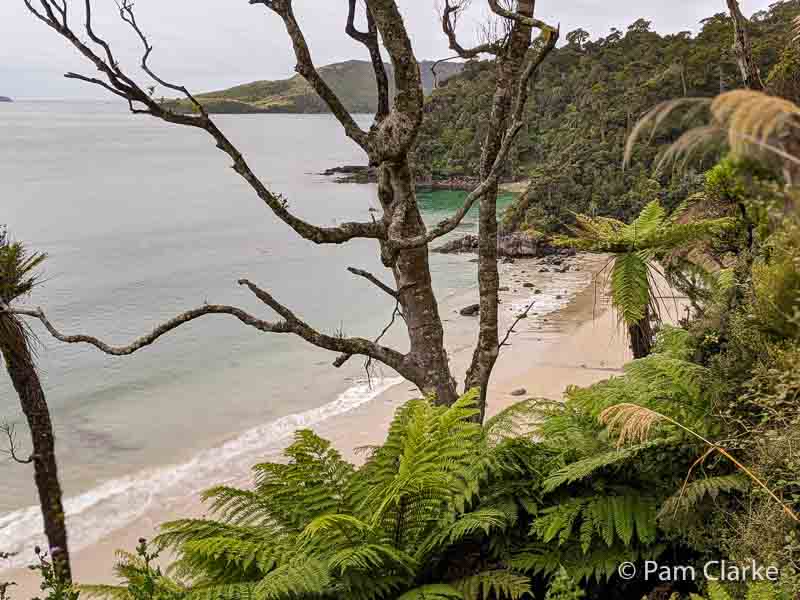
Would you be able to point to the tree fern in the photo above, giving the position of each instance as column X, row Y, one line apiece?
column 315, row 526
column 635, row 247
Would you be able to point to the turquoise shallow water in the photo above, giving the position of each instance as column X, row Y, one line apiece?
column 142, row 221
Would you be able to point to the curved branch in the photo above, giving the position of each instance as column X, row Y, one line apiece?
column 450, row 14
column 305, row 67
column 521, row 19
column 372, row 43
column 344, row 345
column 8, row 429
column 123, row 86
column 150, row 338
column 374, row 280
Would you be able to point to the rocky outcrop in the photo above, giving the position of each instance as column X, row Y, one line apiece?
column 512, row 245
column 353, row 174
column 5, row 99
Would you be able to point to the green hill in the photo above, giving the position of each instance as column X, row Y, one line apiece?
column 353, row 81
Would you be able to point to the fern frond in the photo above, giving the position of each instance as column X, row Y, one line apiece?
column 630, row 288
column 106, row 592
column 699, row 490
column 500, row 584
column 582, row 469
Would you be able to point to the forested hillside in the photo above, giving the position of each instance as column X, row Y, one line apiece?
column 588, row 96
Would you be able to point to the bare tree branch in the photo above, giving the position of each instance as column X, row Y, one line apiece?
column 146, row 340
column 371, row 278
column 435, row 65
column 520, row 317
column 305, row 67
column 450, row 13
column 547, row 42
column 498, row 9
column 291, row 323
column 8, row 430
column 122, row 85
column 372, row 43
column 337, row 343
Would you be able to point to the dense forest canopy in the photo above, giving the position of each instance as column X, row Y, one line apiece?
column 586, row 99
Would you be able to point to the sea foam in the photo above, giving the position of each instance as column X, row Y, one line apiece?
column 117, row 503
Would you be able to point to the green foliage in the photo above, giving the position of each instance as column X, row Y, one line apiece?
column 584, row 103
column 52, row 584
column 755, row 591
column 316, row 525
column 142, row 579
column 564, row 587
column 635, row 247
column 18, row 268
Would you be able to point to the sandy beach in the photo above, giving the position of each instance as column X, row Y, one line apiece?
column 576, row 345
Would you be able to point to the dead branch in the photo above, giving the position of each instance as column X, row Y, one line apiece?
column 141, row 102
column 336, row 343
column 374, row 280
column 436, row 64
column 450, row 13
column 305, row 67
column 520, row 317
column 370, row 40
column 290, row 324
column 498, row 9
column 10, row 433
column 146, row 340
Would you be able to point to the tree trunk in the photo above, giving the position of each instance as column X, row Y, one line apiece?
column 21, row 369
column 411, row 270
column 751, row 77
column 641, row 336
column 508, row 67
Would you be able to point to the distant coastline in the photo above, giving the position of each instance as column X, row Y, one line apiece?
column 5, row 99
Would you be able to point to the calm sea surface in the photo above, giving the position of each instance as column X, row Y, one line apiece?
column 142, row 220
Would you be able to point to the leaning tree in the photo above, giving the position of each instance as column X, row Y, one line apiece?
column 400, row 235
column 18, row 276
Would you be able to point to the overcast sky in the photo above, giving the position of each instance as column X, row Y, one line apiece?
column 212, row 44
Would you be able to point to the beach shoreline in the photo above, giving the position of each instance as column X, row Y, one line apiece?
column 575, row 343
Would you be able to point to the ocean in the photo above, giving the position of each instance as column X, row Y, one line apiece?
column 142, row 220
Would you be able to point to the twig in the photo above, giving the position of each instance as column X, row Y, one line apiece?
column 371, row 278
column 520, row 317
column 8, row 429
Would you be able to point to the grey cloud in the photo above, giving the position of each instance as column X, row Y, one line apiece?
column 210, row 44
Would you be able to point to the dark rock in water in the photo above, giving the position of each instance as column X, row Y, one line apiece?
column 527, row 285
column 544, row 270
column 353, row 174
column 470, row 311
column 519, row 392
column 558, row 296
column 502, row 289
column 538, row 292
column 474, row 260
column 468, row 243
column 509, row 246
column 563, row 270
column 507, row 260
